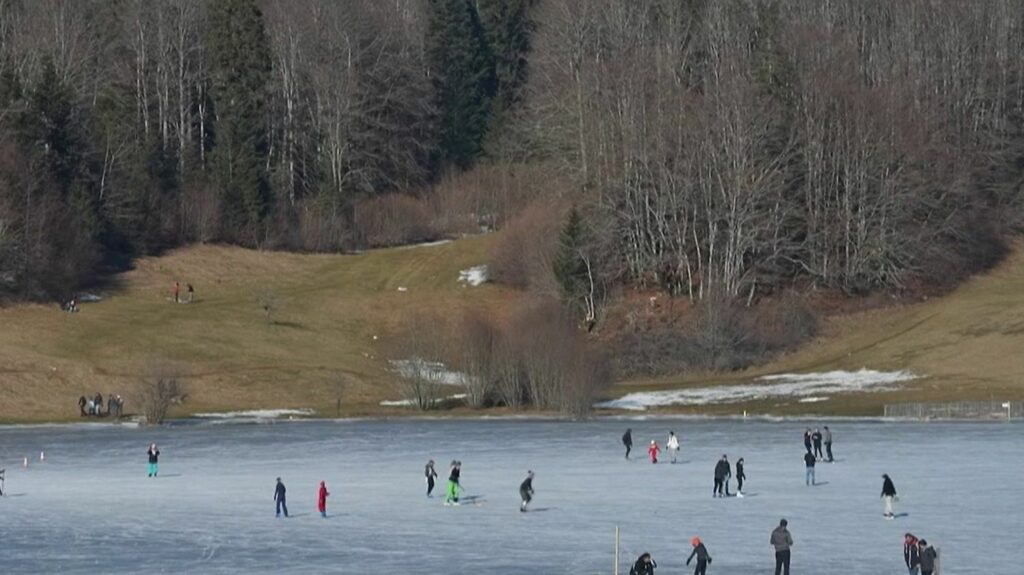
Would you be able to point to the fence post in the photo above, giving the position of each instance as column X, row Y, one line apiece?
column 616, row 571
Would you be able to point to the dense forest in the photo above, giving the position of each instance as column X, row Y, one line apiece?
column 709, row 149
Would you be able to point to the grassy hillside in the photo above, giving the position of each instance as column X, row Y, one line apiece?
column 969, row 343
column 330, row 309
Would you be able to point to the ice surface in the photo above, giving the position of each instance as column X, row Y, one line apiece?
column 91, row 509
column 474, row 276
column 783, row 385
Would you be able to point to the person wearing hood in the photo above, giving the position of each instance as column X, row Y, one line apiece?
column 672, row 445
column 929, row 557
column 627, row 441
column 911, row 554
column 888, row 495
column 321, row 499
column 644, row 565
column 701, row 553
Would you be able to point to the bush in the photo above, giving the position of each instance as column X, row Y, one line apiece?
column 393, row 220
column 524, row 253
column 161, row 387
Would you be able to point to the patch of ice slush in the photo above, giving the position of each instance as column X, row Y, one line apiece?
column 766, row 387
column 410, row 403
column 256, row 414
column 474, row 276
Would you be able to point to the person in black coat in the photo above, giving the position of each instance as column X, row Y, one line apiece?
column 526, row 490
column 703, row 558
column 722, row 472
column 888, row 495
column 740, row 476
column 816, row 438
column 644, row 565
column 279, row 498
column 807, row 440
column 627, row 440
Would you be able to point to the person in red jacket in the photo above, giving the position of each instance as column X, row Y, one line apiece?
column 321, row 499
column 653, row 451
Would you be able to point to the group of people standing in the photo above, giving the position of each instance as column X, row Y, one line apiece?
column 93, row 406
column 920, row 557
column 190, row 293
column 281, row 499
column 814, row 440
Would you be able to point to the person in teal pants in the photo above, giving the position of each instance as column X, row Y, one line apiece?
column 154, row 457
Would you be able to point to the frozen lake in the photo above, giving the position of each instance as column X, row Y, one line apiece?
column 90, row 507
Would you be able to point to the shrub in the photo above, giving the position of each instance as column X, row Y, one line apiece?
column 392, row 220
column 162, row 386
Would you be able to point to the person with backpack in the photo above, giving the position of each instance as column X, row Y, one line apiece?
column 929, row 558
column 888, row 495
column 722, row 472
column 703, row 558
column 740, row 476
column 279, row 499
column 526, row 491
column 653, row 451
column 431, row 475
column 644, row 565
column 781, row 540
column 911, row 554
column 154, row 459
column 321, row 499
column 627, row 440
column 672, row 445
column 809, row 461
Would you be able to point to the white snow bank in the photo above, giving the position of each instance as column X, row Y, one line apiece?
column 256, row 414
column 770, row 386
column 425, row 245
column 410, row 403
column 433, row 371
column 813, row 399
column 474, row 276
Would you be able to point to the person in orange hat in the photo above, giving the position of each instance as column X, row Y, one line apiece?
column 701, row 553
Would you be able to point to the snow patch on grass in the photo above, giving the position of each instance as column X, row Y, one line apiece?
column 433, row 371
column 474, row 276
column 256, row 414
column 813, row 399
column 809, row 386
column 410, row 403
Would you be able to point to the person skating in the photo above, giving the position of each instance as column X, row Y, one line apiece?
column 701, row 553
column 781, row 540
column 929, row 557
column 431, row 474
column 721, row 472
column 526, row 490
column 672, row 445
column 653, row 451
column 828, row 444
column 451, row 496
column 627, row 440
column 740, row 476
column 321, row 499
column 644, row 565
column 911, row 554
column 154, row 459
column 807, row 439
column 816, row 438
column 809, row 461
column 279, row 499
column 888, row 495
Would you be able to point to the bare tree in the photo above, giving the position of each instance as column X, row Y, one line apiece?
column 161, row 387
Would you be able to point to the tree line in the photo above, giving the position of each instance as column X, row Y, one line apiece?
column 716, row 150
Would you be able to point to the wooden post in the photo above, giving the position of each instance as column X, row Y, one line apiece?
column 616, row 571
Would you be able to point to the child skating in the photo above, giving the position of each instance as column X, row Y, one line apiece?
column 701, row 553
column 653, row 451
column 154, row 459
column 321, row 499
column 526, row 491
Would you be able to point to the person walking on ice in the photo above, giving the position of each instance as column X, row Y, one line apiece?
column 279, row 499
column 809, row 461
column 644, row 565
column 701, row 553
column 653, row 451
column 816, row 438
column 888, row 495
column 929, row 558
column 321, row 499
column 911, row 554
column 451, row 496
column 807, row 439
column 740, row 476
column 431, row 475
column 781, row 540
column 627, row 441
column 672, row 445
column 154, row 459
column 526, row 490
column 828, row 444
column 721, row 472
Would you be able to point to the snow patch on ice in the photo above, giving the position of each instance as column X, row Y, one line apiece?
column 813, row 399
column 256, row 414
column 804, row 385
column 410, row 403
column 474, row 276
column 433, row 371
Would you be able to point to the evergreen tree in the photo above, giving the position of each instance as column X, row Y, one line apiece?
column 240, row 64
column 572, row 267
column 462, row 70
column 509, row 29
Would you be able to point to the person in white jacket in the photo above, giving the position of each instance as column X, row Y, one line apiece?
column 673, row 445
